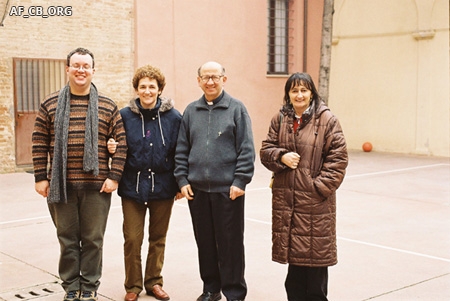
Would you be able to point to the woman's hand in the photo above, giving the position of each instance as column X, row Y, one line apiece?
column 112, row 146
column 291, row 159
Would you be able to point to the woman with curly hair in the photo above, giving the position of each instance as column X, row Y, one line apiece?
column 151, row 124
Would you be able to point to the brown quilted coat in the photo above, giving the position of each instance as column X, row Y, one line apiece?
column 304, row 199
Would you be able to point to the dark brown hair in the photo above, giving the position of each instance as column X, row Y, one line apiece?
column 82, row 51
column 296, row 79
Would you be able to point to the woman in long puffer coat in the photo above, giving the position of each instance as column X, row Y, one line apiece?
column 306, row 150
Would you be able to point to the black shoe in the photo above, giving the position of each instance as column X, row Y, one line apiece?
column 209, row 297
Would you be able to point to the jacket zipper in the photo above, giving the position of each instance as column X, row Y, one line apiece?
column 137, row 181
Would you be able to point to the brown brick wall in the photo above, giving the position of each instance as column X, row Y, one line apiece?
column 104, row 27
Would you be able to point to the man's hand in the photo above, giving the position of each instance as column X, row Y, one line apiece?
column 235, row 192
column 109, row 186
column 42, row 187
column 187, row 192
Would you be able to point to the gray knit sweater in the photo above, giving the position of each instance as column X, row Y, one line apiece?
column 215, row 147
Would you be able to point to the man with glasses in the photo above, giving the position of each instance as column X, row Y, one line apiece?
column 72, row 127
column 214, row 161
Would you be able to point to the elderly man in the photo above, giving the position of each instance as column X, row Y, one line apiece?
column 214, row 161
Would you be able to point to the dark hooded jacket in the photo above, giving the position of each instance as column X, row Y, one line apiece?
column 304, row 199
column 151, row 136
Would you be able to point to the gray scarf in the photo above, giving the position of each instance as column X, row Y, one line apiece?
column 58, row 186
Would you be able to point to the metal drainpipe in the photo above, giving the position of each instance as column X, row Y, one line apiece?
column 305, row 34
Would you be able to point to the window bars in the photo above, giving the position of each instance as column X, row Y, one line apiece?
column 278, row 37
column 34, row 79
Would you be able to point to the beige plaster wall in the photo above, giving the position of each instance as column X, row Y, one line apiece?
column 390, row 74
column 104, row 27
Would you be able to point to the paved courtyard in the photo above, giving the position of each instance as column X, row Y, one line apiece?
column 393, row 238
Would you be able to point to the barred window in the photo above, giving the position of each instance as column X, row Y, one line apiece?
column 34, row 79
column 278, row 37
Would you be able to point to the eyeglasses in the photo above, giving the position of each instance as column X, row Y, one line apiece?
column 79, row 67
column 215, row 78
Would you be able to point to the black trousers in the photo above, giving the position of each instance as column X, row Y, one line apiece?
column 219, row 232
column 306, row 283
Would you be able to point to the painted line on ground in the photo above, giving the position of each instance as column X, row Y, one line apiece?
column 356, row 241
column 24, row 220
column 394, row 171
column 392, row 249
column 269, row 223
column 372, row 173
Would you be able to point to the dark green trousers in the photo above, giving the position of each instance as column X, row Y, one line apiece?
column 80, row 227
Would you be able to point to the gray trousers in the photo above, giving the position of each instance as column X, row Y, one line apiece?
column 80, row 227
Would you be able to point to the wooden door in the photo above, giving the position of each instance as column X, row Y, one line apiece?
column 24, row 130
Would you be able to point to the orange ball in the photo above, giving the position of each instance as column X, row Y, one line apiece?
column 367, row 146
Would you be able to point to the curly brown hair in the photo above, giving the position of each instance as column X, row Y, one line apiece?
column 150, row 72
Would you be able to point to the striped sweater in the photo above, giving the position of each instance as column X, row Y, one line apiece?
column 109, row 126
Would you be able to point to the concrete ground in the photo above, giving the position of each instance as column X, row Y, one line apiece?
column 393, row 238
